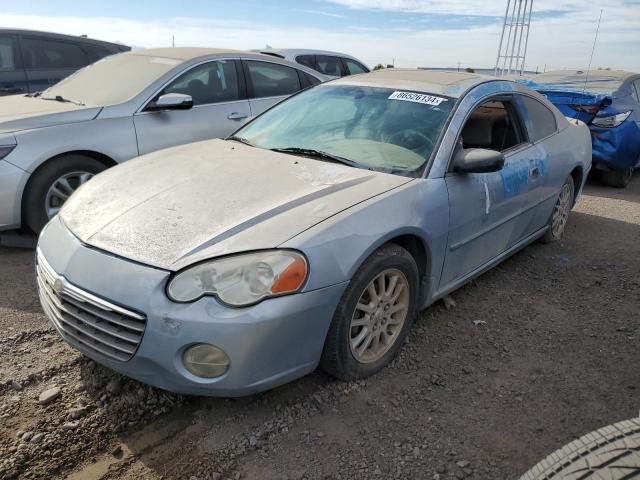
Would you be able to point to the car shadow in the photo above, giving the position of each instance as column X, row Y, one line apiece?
column 595, row 188
column 18, row 290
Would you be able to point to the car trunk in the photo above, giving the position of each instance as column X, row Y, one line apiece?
column 581, row 105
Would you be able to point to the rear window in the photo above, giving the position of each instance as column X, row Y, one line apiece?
column 354, row 67
column 50, row 54
column 96, row 53
column 307, row 60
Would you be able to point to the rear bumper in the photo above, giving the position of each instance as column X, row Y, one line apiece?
column 268, row 344
column 616, row 148
column 11, row 180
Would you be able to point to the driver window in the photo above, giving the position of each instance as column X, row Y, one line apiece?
column 493, row 126
column 212, row 82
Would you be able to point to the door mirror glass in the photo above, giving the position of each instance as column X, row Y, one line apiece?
column 477, row 160
column 171, row 101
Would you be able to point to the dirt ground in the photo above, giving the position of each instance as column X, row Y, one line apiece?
column 536, row 352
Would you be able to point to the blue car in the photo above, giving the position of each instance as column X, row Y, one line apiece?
column 313, row 235
column 609, row 102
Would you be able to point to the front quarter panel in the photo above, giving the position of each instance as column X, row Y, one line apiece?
column 339, row 245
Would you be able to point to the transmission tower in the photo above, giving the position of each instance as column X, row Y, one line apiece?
column 512, row 52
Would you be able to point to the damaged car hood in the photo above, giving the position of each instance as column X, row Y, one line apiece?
column 188, row 203
column 19, row 112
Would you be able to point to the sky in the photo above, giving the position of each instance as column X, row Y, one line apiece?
column 408, row 33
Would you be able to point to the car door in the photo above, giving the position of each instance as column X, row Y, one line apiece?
column 547, row 167
column 269, row 83
column 12, row 77
column 219, row 107
column 47, row 61
column 484, row 208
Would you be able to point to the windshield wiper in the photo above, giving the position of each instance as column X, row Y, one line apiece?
column 310, row 152
column 59, row 98
column 33, row 94
column 235, row 138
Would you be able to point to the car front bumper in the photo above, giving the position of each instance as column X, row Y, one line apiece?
column 268, row 344
column 12, row 179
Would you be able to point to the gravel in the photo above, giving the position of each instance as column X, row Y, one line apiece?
column 529, row 356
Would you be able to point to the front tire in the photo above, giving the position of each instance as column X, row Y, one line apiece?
column 617, row 178
column 560, row 214
column 374, row 315
column 51, row 185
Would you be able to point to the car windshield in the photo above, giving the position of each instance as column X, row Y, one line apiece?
column 377, row 128
column 112, row 80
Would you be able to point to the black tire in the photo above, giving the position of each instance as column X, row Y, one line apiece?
column 552, row 235
column 337, row 358
column 611, row 453
column 34, row 213
column 617, row 178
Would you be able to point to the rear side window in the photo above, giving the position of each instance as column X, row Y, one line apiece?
column 354, row 67
column 39, row 53
column 309, row 80
column 7, row 60
column 540, row 121
column 307, row 60
column 96, row 53
column 271, row 79
column 212, row 82
column 330, row 65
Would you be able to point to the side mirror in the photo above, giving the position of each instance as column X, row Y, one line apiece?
column 477, row 160
column 171, row 101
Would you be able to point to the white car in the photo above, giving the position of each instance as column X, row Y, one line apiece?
column 332, row 64
column 124, row 106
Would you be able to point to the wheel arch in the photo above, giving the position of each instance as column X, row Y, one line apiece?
column 106, row 160
column 415, row 243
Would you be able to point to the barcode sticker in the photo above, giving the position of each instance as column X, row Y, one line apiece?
column 417, row 98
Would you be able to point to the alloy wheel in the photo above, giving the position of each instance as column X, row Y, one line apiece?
column 62, row 189
column 561, row 211
column 379, row 316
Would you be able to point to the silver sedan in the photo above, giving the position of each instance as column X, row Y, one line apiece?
column 124, row 106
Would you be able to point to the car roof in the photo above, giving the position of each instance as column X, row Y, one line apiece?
column 185, row 53
column 600, row 81
column 61, row 36
column 448, row 83
column 302, row 51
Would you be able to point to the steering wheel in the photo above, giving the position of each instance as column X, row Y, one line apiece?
column 410, row 139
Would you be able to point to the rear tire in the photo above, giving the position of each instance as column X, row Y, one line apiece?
column 39, row 203
column 560, row 215
column 368, row 310
column 617, row 178
column 613, row 452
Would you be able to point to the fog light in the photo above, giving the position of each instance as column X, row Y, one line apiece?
column 205, row 360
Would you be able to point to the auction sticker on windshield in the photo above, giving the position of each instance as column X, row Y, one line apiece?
column 417, row 97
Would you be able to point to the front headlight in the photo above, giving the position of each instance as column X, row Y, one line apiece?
column 241, row 280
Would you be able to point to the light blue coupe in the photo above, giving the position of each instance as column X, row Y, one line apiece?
column 312, row 236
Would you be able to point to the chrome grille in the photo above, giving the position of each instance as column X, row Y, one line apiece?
column 85, row 320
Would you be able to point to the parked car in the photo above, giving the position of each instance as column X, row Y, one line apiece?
column 333, row 64
column 32, row 61
column 607, row 101
column 124, row 106
column 311, row 236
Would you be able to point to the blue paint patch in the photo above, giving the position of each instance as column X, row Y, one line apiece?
column 516, row 176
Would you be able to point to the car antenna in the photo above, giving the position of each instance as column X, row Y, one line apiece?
column 593, row 49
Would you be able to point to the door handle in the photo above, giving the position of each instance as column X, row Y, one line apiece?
column 237, row 116
column 535, row 172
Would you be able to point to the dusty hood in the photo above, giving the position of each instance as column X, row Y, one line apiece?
column 177, row 206
column 19, row 112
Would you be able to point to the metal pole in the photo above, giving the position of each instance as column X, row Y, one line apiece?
column 526, row 40
column 524, row 14
column 504, row 24
column 513, row 44
column 506, row 51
